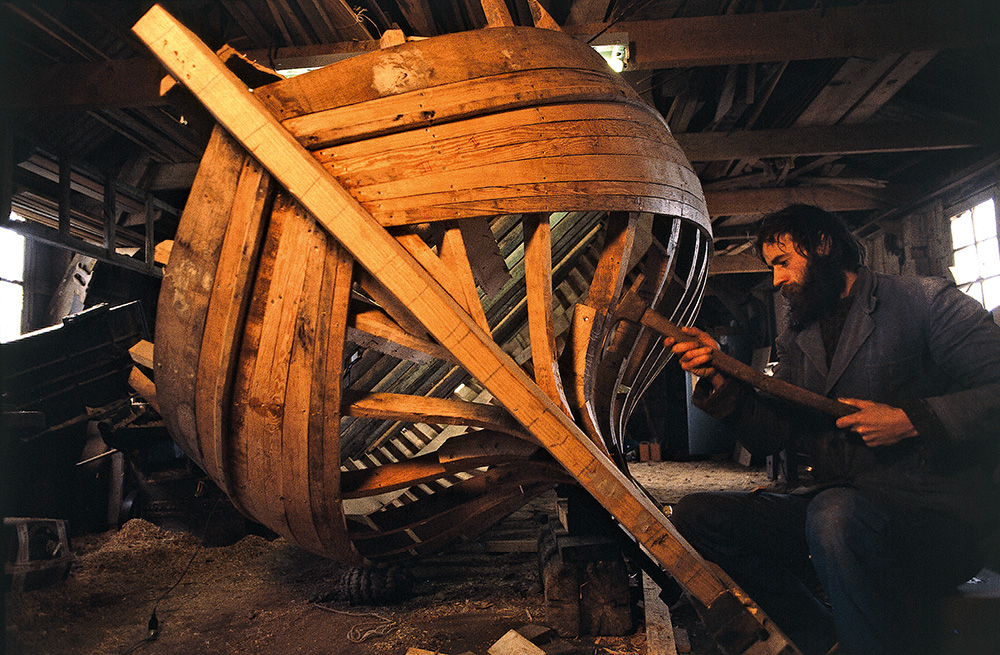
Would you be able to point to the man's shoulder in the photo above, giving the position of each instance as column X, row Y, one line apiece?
column 908, row 287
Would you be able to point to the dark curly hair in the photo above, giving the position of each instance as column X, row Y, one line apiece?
column 808, row 226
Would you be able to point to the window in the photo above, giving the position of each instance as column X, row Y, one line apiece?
column 11, row 284
column 977, row 253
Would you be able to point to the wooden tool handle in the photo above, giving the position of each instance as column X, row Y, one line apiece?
column 737, row 369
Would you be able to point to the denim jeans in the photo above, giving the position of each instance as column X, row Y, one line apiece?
column 829, row 567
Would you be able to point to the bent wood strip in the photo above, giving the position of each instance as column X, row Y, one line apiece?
column 187, row 287
column 737, row 369
column 295, row 442
column 456, row 259
column 627, row 169
column 460, row 453
column 376, row 156
column 247, row 454
column 538, row 287
column 420, row 409
column 427, row 156
column 372, row 320
column 306, row 179
column 403, row 69
column 224, row 319
column 324, row 406
column 452, row 102
column 268, row 372
column 569, row 195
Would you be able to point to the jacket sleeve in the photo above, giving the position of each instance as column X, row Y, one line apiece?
column 763, row 425
column 964, row 343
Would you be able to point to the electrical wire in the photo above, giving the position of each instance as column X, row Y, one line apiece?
column 153, row 625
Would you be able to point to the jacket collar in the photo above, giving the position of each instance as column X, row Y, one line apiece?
column 857, row 327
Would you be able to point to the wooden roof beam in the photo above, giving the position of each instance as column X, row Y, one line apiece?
column 741, row 202
column 827, row 140
column 868, row 30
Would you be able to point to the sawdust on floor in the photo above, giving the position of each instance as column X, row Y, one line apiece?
column 269, row 597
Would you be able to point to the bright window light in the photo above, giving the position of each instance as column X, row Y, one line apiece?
column 11, row 284
column 615, row 55
column 977, row 253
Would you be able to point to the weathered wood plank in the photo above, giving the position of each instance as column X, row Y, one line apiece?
column 224, row 319
column 420, row 409
column 184, row 298
column 538, row 291
column 324, row 407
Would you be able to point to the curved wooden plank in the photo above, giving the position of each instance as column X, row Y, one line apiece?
column 373, row 321
column 224, row 320
column 187, row 287
column 538, row 291
column 460, row 453
column 406, row 68
column 456, row 101
column 422, row 409
column 295, row 442
column 521, row 198
column 325, row 401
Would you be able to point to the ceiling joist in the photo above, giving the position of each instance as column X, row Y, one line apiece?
column 827, row 140
column 867, row 30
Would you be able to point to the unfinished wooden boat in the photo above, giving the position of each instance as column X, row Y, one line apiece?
column 472, row 161
column 394, row 215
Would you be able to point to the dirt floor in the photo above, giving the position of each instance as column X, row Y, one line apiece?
column 272, row 598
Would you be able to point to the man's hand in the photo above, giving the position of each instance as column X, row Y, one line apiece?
column 695, row 356
column 877, row 424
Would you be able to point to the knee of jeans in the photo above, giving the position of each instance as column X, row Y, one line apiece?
column 693, row 513
column 832, row 519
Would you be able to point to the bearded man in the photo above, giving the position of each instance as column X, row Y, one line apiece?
column 899, row 492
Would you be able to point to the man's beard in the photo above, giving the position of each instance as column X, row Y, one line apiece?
column 819, row 293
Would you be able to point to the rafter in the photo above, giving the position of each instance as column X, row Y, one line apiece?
column 869, row 30
column 827, row 140
column 731, row 202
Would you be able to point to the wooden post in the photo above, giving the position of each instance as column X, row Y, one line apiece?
column 242, row 114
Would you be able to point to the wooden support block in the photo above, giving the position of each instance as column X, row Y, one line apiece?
column 144, row 387
column 513, row 643
column 142, row 354
column 561, row 584
column 605, row 607
column 659, row 627
column 391, row 38
column 161, row 254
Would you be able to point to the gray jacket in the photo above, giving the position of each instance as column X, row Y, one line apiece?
column 912, row 342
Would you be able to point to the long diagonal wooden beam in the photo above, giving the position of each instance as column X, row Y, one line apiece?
column 235, row 108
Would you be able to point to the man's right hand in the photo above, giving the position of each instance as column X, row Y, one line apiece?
column 696, row 356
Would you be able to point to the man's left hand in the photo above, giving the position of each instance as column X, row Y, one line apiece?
column 877, row 424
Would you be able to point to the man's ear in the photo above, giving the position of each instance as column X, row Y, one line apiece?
column 825, row 246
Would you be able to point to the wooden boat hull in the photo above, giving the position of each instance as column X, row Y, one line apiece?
column 448, row 145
